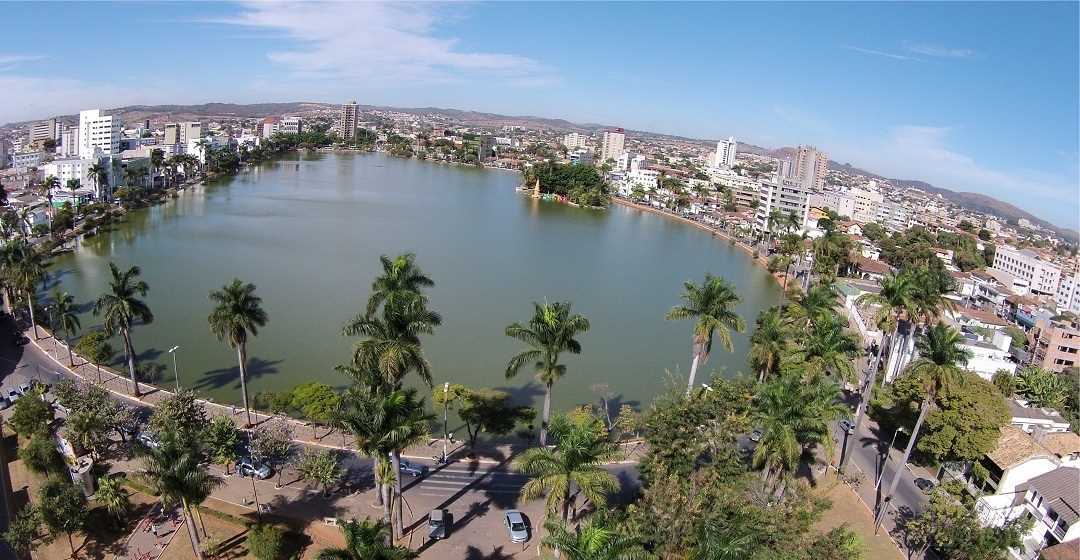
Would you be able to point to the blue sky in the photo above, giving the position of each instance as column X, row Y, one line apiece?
column 976, row 97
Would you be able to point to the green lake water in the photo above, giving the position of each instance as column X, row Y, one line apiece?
column 308, row 232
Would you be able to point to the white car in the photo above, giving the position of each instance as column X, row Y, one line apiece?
column 249, row 467
column 516, row 526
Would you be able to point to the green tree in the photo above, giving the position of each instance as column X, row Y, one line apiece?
column 490, row 411
column 828, row 349
column 1005, row 382
column 121, row 308
column 712, row 307
column 575, row 463
column 265, row 542
column 112, row 496
column 65, row 319
column 237, row 314
column 39, row 454
column 176, row 473
column 181, row 413
column 32, row 415
column 22, row 532
column 1042, row 388
column 88, row 430
column 591, row 540
column 22, row 268
column 368, row 413
column 321, row 467
column 94, row 346
column 951, row 526
column 366, row 540
column 401, row 281
column 938, row 368
column 98, row 174
column 550, row 332
column 317, row 402
column 63, row 508
column 222, row 439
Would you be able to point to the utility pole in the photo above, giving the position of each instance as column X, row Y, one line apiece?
column 176, row 373
column 445, row 404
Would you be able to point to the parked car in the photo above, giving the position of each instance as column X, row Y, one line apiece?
column 848, row 426
column 13, row 395
column 438, row 524
column 413, row 469
column 148, row 439
column 755, row 436
column 516, row 526
column 249, row 467
column 925, row 484
column 24, row 389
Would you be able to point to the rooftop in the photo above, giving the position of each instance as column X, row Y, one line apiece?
column 1020, row 411
column 1061, row 444
column 1058, row 489
column 1014, row 446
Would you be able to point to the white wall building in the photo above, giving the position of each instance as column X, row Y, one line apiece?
column 98, row 132
column 725, row 152
column 988, row 356
column 1043, row 277
column 611, row 145
column 574, row 141
column 784, row 195
column 1068, row 292
column 291, row 125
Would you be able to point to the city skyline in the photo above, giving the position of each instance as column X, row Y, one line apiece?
column 941, row 93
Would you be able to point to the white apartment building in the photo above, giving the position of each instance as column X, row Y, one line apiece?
column 291, row 125
column 744, row 190
column 69, row 143
column 645, row 179
column 988, row 356
column 574, row 141
column 347, row 122
column 270, row 126
column 1068, row 293
column 23, row 160
column 78, row 169
column 1042, row 277
column 784, row 195
column 841, row 203
column 725, row 152
column 611, row 144
column 98, row 132
column 809, row 167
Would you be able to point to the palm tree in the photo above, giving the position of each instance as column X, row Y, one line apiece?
column 363, row 413
column 175, row 473
column 111, row 494
column 65, row 319
column 768, row 342
column 157, row 159
column 122, row 308
column 73, row 185
column 98, row 173
column 366, row 540
column 829, row 349
column 575, row 462
column 51, row 182
column 941, row 353
column 712, row 306
column 22, row 269
column 237, row 314
column 391, row 344
column 549, row 333
column 808, row 308
column 793, row 414
column 591, row 541
column 401, row 279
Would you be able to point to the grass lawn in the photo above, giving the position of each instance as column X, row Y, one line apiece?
column 848, row 508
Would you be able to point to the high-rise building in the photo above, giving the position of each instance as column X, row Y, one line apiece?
column 1041, row 277
column 290, row 125
column 573, row 141
column 98, row 131
column 69, row 142
column 190, row 132
column 270, row 126
column 1057, row 344
column 43, row 130
column 611, row 145
column 725, row 152
column 172, row 134
column 1068, row 293
column 809, row 167
column 347, row 124
column 786, row 196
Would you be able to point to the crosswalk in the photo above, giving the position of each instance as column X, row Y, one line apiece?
column 450, row 480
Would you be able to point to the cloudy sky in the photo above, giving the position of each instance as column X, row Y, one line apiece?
column 972, row 97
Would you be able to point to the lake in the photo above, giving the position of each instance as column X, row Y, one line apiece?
column 308, row 231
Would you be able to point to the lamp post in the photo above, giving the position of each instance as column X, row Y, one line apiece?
column 881, row 474
column 176, row 373
column 445, row 403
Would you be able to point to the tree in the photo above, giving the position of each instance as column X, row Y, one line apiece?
column 812, row 307
column 97, row 173
column 122, row 308
column 65, row 319
column 32, row 415
column 366, row 540
column 712, row 307
column 39, row 454
column 942, row 352
column 490, row 410
column 317, row 402
column 222, row 438
column 112, row 496
column 23, row 267
column 88, row 430
column 1042, row 388
column 400, row 282
column 1005, row 382
column 176, row 473
column 181, row 413
column 828, row 349
column 23, row 531
column 591, row 541
column 265, row 542
column 628, row 421
column 575, row 463
column 951, row 526
column 322, row 467
column 63, row 508
column 550, row 332
column 237, row 314
column 94, row 346
column 272, row 442
column 391, row 344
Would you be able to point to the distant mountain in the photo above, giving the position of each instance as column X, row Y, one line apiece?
column 135, row 113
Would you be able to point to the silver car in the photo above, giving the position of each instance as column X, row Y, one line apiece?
column 248, row 467
column 516, row 526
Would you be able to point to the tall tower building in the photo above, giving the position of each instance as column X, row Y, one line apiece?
column 97, row 131
column 725, row 152
column 43, row 130
column 347, row 124
column 611, row 145
column 809, row 167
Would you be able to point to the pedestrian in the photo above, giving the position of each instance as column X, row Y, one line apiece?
column 153, row 529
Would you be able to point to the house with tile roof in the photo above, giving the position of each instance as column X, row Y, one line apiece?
column 1051, row 500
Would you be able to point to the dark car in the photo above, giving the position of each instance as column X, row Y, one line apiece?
column 413, row 469
column 438, row 524
column 925, row 484
column 848, row 426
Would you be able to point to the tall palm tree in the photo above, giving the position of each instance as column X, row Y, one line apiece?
column 51, row 182
column 23, row 268
column 941, row 354
column 363, row 413
column 794, row 414
column 712, row 306
column 550, row 332
column 237, row 314
column 391, row 343
column 175, row 472
column 591, row 541
column 73, row 185
column 401, row 279
column 816, row 304
column 121, row 307
column 365, row 540
column 575, row 462
column 829, row 349
column 65, row 319
column 97, row 173
column 768, row 342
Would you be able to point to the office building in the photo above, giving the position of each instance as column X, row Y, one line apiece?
column 24, row 160
column 1057, row 344
column 98, row 132
column 611, row 145
column 725, row 153
column 784, row 195
column 5, row 149
column 809, row 167
column 69, row 143
column 290, row 125
column 574, row 141
column 347, row 122
column 1068, row 293
column 43, row 130
column 1041, row 277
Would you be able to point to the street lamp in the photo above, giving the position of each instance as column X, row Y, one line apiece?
column 881, row 474
column 176, row 374
column 445, row 403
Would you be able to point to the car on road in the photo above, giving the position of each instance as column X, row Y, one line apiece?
column 925, row 484
column 516, row 526
column 24, row 389
column 148, row 439
column 848, row 426
column 250, row 467
column 438, row 524
column 413, row 469
column 13, row 395
column 755, row 436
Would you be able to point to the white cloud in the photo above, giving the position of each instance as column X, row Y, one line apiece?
column 874, row 52
column 938, row 51
column 374, row 43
